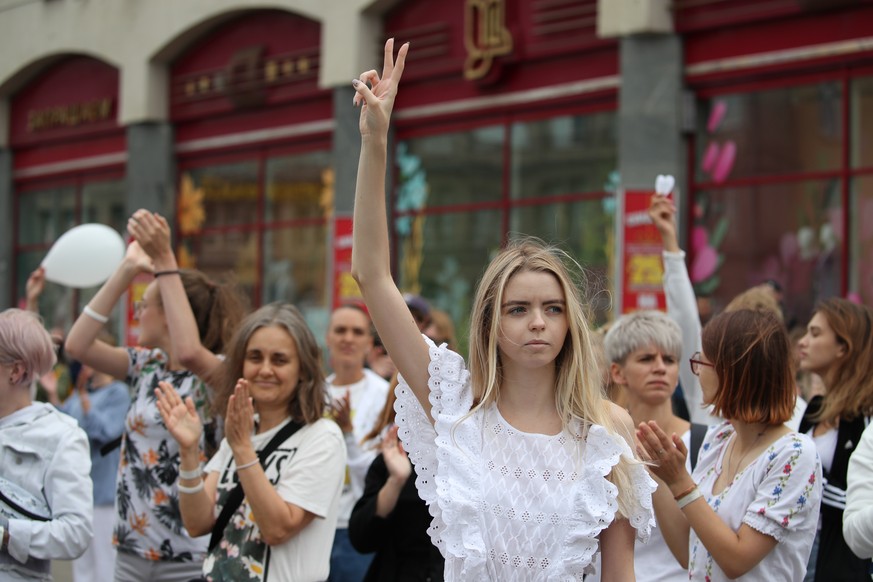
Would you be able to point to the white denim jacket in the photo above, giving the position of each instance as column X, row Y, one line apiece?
column 46, row 466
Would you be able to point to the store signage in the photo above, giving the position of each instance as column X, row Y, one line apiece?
column 642, row 272
column 486, row 36
column 249, row 75
column 73, row 115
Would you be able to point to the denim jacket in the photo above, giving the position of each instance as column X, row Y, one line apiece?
column 46, row 490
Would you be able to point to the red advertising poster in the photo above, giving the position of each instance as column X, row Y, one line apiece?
column 642, row 272
column 345, row 288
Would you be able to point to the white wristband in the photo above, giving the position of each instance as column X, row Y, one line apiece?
column 94, row 315
column 191, row 490
column 192, row 474
column 247, row 465
column 693, row 496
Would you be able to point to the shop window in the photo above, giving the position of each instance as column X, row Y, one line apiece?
column 861, row 277
column 442, row 257
column 739, row 241
column 459, row 195
column 563, row 155
column 230, row 193
column 772, row 132
column 44, row 214
column 862, row 122
column 265, row 222
column 458, row 168
column 585, row 230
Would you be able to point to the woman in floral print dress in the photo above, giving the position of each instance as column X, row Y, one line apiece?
column 750, row 510
column 185, row 320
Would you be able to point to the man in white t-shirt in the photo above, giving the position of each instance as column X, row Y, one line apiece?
column 358, row 396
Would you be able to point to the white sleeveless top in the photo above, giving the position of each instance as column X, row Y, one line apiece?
column 509, row 505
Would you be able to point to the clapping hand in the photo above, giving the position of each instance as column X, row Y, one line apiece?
column 180, row 417
column 240, row 420
column 667, row 454
column 342, row 412
column 395, row 457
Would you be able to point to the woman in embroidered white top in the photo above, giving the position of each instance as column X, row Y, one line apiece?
column 520, row 459
column 759, row 481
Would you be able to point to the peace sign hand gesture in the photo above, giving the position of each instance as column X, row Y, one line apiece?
column 378, row 102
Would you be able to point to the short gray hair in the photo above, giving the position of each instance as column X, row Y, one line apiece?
column 640, row 329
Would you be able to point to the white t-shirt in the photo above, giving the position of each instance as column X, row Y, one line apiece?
column 306, row 470
column 778, row 494
column 367, row 399
column 653, row 560
column 509, row 505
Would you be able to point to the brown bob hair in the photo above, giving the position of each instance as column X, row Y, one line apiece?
column 751, row 354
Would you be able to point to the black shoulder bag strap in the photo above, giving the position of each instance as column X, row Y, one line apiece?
column 698, row 432
column 234, row 499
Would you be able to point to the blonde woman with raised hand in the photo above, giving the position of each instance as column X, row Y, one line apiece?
column 520, row 458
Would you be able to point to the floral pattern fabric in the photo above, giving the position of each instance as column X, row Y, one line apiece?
column 148, row 519
column 777, row 494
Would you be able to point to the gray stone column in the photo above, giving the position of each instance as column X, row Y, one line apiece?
column 650, row 113
column 7, row 276
column 151, row 169
column 346, row 149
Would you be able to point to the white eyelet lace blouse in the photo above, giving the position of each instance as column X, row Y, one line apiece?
column 509, row 505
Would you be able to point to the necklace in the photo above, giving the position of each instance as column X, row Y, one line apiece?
column 733, row 474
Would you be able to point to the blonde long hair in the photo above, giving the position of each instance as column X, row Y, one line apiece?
column 578, row 391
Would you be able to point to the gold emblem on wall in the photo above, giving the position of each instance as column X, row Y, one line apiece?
column 486, row 36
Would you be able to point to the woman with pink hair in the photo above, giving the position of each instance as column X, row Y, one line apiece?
column 45, row 486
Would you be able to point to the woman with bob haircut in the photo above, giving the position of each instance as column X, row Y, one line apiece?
column 750, row 509
column 272, row 381
column 838, row 346
column 520, row 458
column 45, row 481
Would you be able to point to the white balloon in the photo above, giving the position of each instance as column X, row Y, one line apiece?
column 664, row 184
column 84, row 256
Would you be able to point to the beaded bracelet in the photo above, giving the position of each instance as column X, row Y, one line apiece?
column 192, row 474
column 98, row 317
column 167, row 272
column 191, row 490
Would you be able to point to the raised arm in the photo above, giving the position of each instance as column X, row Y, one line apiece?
column 681, row 303
column 82, row 343
column 152, row 232
column 34, row 288
column 197, row 505
column 370, row 252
